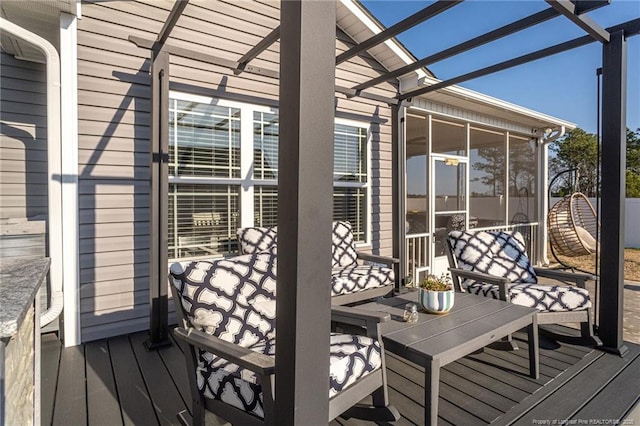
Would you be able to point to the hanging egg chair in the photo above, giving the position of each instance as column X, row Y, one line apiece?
column 573, row 226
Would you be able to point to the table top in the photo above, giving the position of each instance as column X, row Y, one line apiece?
column 20, row 280
column 473, row 322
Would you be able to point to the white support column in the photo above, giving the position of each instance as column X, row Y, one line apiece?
column 543, row 200
column 69, row 133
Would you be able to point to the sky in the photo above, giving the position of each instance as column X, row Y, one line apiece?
column 563, row 85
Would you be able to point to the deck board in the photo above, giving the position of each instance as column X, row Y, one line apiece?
column 611, row 401
column 165, row 397
column 103, row 406
column 135, row 404
column 569, row 399
column 173, row 359
column 50, row 361
column 71, row 393
column 141, row 387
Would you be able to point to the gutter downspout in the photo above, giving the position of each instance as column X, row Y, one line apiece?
column 549, row 136
column 54, row 160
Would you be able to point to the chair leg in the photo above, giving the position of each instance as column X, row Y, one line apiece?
column 505, row 344
column 586, row 330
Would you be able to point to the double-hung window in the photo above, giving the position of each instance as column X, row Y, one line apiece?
column 223, row 172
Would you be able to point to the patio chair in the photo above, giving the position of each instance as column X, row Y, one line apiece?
column 227, row 314
column 495, row 264
column 355, row 276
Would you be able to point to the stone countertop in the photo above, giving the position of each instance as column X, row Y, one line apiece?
column 20, row 280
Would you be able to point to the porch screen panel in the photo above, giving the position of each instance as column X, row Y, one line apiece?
column 487, row 162
column 448, row 137
column 202, row 219
column 523, row 172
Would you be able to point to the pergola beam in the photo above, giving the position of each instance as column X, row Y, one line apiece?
column 236, row 68
column 583, row 6
column 413, row 20
column 539, row 54
column 496, row 34
column 165, row 32
column 629, row 28
column 568, row 9
column 203, row 57
column 263, row 45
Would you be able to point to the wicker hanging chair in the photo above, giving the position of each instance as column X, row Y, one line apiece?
column 573, row 226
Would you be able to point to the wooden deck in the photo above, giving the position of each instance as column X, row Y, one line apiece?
column 116, row 381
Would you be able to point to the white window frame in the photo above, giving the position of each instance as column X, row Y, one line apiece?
column 246, row 181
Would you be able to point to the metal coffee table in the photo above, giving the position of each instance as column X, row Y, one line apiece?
column 437, row 340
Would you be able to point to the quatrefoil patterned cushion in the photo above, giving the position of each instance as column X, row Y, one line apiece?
column 218, row 296
column 343, row 250
column 351, row 357
column 256, row 239
column 353, row 279
column 493, row 252
column 234, row 299
column 503, row 254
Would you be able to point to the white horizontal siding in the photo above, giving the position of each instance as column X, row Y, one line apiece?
column 23, row 155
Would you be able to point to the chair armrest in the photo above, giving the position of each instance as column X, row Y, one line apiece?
column 355, row 316
column 579, row 279
column 388, row 261
column 501, row 282
column 255, row 361
column 478, row 276
column 355, row 320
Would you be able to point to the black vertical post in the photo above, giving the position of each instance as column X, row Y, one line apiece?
column 398, row 193
column 158, row 262
column 614, row 114
column 305, row 210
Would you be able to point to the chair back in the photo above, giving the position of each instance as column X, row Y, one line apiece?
column 256, row 239
column 232, row 299
column 497, row 253
column 343, row 251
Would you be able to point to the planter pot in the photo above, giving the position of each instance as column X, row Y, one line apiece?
column 436, row 302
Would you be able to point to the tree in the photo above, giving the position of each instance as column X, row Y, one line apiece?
column 492, row 168
column 579, row 150
column 633, row 163
column 576, row 150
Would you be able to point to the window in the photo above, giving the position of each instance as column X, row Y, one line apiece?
column 223, row 175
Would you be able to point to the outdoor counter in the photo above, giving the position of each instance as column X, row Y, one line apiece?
column 20, row 280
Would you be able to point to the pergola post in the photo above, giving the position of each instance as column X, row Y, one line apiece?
column 305, row 210
column 614, row 115
column 158, row 259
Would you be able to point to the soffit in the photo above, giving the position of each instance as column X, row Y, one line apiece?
column 40, row 17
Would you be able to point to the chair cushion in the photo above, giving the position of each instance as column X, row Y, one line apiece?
column 495, row 253
column 357, row 278
column 343, row 250
column 218, row 296
column 547, row 298
column 351, row 357
column 254, row 240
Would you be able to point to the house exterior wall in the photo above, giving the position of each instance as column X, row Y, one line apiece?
column 23, row 139
column 113, row 122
